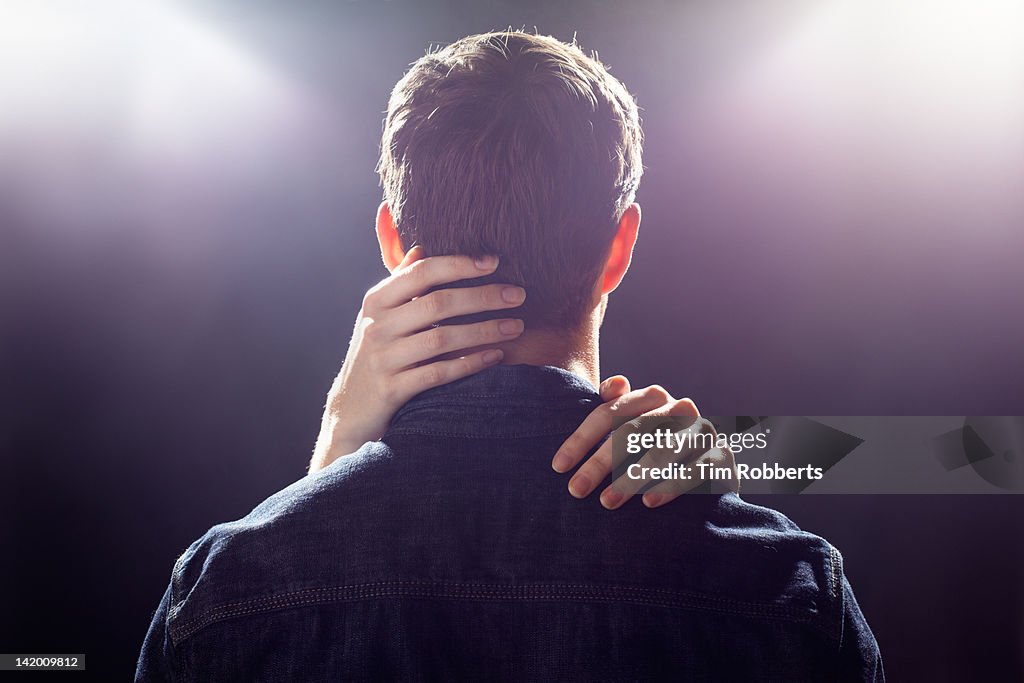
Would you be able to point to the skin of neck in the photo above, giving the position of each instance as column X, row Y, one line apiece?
column 575, row 350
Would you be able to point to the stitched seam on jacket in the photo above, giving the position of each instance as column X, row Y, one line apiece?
column 545, row 592
column 835, row 564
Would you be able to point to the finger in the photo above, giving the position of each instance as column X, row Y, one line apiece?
column 666, row 491
column 719, row 461
column 436, row 341
column 593, row 472
column 416, row 380
column 596, row 426
column 684, row 407
column 675, row 460
column 590, row 432
column 614, row 387
column 424, row 311
column 647, row 470
column 421, row 276
column 600, row 465
column 415, row 254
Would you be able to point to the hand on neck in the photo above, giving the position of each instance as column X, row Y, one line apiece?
column 574, row 350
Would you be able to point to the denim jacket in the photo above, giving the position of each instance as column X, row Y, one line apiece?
column 449, row 549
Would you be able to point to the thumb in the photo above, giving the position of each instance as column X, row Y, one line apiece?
column 614, row 387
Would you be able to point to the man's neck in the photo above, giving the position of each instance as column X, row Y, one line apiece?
column 575, row 351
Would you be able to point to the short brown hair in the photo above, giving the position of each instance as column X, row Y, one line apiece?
column 518, row 145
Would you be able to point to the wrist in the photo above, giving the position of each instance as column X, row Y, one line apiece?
column 332, row 442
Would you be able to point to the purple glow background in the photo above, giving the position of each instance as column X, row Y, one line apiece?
column 833, row 206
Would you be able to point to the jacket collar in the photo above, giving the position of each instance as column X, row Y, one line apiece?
column 504, row 400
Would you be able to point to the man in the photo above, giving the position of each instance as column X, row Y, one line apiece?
column 447, row 547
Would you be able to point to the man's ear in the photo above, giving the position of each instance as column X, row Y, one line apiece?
column 621, row 250
column 391, row 250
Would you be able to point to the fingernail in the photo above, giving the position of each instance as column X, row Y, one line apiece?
column 493, row 355
column 611, row 498
column 579, row 486
column 653, row 500
column 561, row 463
column 486, row 262
column 510, row 326
column 513, row 295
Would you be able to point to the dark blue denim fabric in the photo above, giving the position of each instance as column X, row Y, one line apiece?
column 449, row 549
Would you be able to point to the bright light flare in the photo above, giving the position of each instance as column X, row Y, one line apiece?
column 871, row 109
column 145, row 73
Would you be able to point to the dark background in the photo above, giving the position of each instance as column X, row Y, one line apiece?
column 832, row 215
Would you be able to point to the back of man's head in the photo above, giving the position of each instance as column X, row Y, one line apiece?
column 517, row 145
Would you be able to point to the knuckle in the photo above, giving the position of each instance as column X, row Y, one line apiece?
column 684, row 410
column 576, row 443
column 417, row 272
column 657, row 392
column 436, row 339
column 490, row 332
column 704, row 426
column 371, row 299
column 602, row 461
column 621, row 408
column 589, row 469
column 372, row 330
column 436, row 303
column 605, row 414
column 432, row 376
